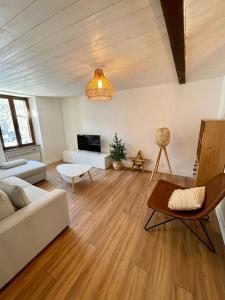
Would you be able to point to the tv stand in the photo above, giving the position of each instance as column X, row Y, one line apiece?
column 94, row 159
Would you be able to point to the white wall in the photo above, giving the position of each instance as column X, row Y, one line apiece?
column 49, row 128
column 136, row 114
column 71, row 119
column 221, row 112
column 36, row 124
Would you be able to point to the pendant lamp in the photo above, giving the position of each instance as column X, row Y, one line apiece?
column 99, row 88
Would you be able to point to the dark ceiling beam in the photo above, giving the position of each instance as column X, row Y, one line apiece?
column 173, row 11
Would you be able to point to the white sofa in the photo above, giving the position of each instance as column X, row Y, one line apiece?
column 26, row 232
column 32, row 171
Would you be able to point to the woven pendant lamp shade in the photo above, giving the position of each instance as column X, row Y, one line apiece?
column 99, row 88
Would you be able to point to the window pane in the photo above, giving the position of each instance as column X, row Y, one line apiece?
column 23, row 121
column 6, row 123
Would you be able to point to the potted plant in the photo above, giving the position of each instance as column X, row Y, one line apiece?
column 118, row 152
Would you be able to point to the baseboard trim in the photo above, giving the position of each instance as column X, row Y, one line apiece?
column 52, row 161
column 162, row 169
column 221, row 220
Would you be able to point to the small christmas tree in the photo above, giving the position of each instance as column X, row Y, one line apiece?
column 117, row 149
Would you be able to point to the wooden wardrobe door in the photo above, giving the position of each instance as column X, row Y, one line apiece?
column 211, row 158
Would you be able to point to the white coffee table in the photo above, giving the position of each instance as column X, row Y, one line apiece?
column 69, row 171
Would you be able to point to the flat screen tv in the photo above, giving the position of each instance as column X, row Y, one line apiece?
column 89, row 142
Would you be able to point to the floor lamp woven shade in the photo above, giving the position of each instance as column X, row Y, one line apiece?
column 99, row 88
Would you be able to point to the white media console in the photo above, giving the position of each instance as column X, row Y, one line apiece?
column 94, row 159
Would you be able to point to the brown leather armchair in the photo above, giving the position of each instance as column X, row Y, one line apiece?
column 158, row 201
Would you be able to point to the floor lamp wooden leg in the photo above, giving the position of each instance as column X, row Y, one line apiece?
column 90, row 175
column 156, row 164
column 167, row 158
column 73, row 184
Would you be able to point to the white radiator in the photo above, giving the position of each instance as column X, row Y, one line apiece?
column 29, row 153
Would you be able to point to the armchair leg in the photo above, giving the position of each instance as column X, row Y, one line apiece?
column 150, row 227
column 146, row 225
column 206, row 233
column 206, row 218
column 211, row 247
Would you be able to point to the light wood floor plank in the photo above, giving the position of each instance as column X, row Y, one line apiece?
column 135, row 284
column 107, row 254
column 179, row 293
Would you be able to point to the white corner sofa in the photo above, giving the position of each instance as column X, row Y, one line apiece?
column 30, row 229
column 32, row 171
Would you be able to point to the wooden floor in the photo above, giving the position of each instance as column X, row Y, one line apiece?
column 106, row 253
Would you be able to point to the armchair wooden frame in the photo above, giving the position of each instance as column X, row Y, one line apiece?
column 158, row 201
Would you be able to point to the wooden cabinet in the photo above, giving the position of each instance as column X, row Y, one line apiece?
column 211, row 150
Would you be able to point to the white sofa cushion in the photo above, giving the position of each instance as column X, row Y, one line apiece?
column 15, row 192
column 12, row 163
column 29, row 169
column 188, row 199
column 17, row 181
column 34, row 193
column 6, row 207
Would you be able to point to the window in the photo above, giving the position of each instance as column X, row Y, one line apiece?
column 15, row 122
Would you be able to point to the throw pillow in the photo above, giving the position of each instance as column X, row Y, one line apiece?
column 6, row 207
column 15, row 193
column 188, row 199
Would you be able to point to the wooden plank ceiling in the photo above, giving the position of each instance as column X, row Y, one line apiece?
column 205, row 39
column 51, row 47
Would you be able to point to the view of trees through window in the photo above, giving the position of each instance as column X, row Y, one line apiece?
column 6, row 123
column 23, row 121
column 14, row 122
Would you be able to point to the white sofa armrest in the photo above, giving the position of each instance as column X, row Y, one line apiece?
column 25, row 233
